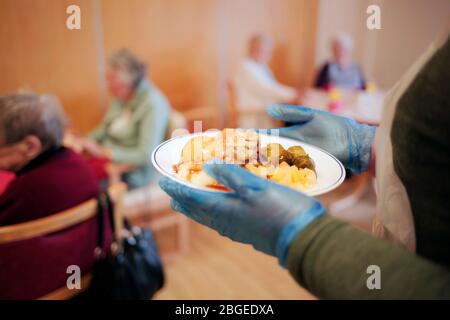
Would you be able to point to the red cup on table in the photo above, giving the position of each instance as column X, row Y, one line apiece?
column 335, row 106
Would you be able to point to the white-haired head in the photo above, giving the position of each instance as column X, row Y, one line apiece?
column 124, row 74
column 341, row 46
column 30, row 124
column 260, row 48
column 344, row 40
column 30, row 114
column 131, row 70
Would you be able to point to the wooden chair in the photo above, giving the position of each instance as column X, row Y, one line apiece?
column 61, row 221
column 233, row 115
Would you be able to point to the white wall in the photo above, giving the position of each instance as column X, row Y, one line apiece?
column 408, row 27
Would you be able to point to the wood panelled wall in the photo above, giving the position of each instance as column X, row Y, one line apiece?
column 38, row 52
column 190, row 46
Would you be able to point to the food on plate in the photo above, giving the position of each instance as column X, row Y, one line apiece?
column 275, row 153
column 229, row 145
column 296, row 151
column 292, row 167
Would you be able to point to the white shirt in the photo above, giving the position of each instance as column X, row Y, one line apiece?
column 256, row 87
column 394, row 219
column 121, row 122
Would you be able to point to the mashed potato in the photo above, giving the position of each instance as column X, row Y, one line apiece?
column 242, row 148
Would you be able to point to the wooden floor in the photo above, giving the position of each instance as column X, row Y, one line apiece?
column 218, row 268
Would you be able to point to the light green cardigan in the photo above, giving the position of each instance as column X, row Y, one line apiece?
column 134, row 143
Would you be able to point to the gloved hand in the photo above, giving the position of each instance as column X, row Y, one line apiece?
column 348, row 140
column 259, row 212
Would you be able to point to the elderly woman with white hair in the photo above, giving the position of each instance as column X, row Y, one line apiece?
column 49, row 179
column 341, row 71
column 135, row 123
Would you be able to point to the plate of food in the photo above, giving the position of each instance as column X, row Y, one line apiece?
column 289, row 162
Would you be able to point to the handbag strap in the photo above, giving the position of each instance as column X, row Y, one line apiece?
column 104, row 203
column 100, row 226
column 110, row 211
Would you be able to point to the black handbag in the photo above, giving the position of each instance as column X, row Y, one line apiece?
column 132, row 269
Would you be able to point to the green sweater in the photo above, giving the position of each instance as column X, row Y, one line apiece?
column 330, row 258
column 134, row 142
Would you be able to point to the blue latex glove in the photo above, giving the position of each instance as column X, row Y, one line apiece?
column 348, row 140
column 259, row 212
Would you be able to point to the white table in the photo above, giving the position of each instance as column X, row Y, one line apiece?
column 361, row 106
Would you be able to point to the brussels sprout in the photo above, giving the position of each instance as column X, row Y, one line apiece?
column 296, row 151
column 275, row 153
column 273, row 149
column 286, row 157
column 305, row 161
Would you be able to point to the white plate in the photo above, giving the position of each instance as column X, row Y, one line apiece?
column 330, row 171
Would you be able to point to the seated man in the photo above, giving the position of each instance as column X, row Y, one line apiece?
column 255, row 85
column 135, row 123
column 49, row 179
column 341, row 71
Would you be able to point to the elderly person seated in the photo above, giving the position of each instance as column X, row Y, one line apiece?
column 341, row 71
column 49, row 179
column 255, row 85
column 135, row 123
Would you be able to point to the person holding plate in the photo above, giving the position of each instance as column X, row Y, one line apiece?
column 327, row 256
